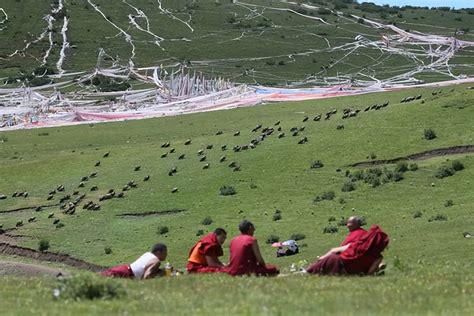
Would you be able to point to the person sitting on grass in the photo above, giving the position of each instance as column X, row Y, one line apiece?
column 353, row 224
column 361, row 257
column 145, row 267
column 245, row 256
column 204, row 256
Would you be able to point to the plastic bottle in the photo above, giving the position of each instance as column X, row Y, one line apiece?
column 168, row 269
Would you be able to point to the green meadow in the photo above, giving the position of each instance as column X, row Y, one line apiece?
column 429, row 260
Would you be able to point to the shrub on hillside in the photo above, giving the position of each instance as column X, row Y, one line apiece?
column 401, row 166
column 3, row 139
column 163, row 230
column 108, row 250
column 227, row 190
column 328, row 195
column 207, row 221
column 413, row 167
column 444, row 171
column 331, row 219
column 330, row 230
column 88, row 287
column 417, row 214
column 272, row 238
column 348, row 187
column 439, row 217
column 317, row 164
column 199, row 232
column 397, row 176
column 457, row 165
column 342, row 221
column 448, row 203
column 276, row 217
column 298, row 236
column 429, row 134
column 43, row 245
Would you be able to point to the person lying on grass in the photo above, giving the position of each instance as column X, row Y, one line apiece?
column 145, row 267
column 361, row 257
column 245, row 256
column 204, row 256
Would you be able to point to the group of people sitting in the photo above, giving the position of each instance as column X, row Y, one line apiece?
column 360, row 253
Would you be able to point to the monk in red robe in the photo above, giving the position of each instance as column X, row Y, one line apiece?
column 360, row 257
column 204, row 256
column 353, row 224
column 245, row 256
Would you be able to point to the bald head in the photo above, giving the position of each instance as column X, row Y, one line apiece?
column 353, row 223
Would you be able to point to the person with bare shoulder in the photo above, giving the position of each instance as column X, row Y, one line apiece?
column 145, row 267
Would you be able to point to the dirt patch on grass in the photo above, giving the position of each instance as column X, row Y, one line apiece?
column 153, row 213
column 28, row 208
column 30, row 270
column 8, row 249
column 420, row 156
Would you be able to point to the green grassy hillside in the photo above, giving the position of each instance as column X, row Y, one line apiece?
column 430, row 262
column 269, row 42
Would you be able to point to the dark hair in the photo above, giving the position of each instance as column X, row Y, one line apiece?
column 245, row 226
column 219, row 231
column 159, row 248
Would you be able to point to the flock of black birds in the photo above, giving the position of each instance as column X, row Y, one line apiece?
column 69, row 203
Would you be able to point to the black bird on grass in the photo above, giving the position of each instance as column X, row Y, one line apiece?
column 303, row 140
column 50, row 197
column 210, row 146
column 219, row 133
column 75, row 192
column 256, row 128
column 94, row 188
column 174, row 190
column 3, row 197
column 181, row 157
column 187, row 142
column 206, row 166
column 172, row 150
column 52, row 192
column 120, row 195
column 200, row 152
column 317, row 118
column 51, row 215
column 164, row 155
column 137, row 168
column 237, row 133
column 97, row 163
column 93, row 175
column 81, row 185
column 25, row 194
column 203, row 158
column 31, row 219
column 19, row 224
column 38, row 209
column 107, row 154
column 281, row 135
column 56, row 221
column 295, row 133
column 237, row 168
column 224, row 147
column 146, row 178
column 85, row 178
column 60, row 188
column 277, row 123
column 232, row 164
column 222, row 159
column 15, row 194
column 305, row 119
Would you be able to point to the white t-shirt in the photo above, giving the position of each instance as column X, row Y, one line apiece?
column 138, row 267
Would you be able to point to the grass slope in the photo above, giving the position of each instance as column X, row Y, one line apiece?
column 244, row 43
column 429, row 261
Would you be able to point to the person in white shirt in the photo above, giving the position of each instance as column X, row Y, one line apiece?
column 145, row 267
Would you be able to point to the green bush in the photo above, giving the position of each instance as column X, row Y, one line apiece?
column 348, row 187
column 429, row 134
column 328, row 195
column 108, row 250
column 448, row 203
column 317, row 164
column 444, row 171
column 413, row 167
column 401, row 166
column 199, row 232
column 331, row 219
column 227, row 190
column 88, row 287
column 43, row 245
column 163, row 230
column 276, row 217
column 342, row 221
column 457, row 165
column 272, row 238
column 418, row 214
column 3, row 139
column 207, row 221
column 439, row 217
column 330, row 230
column 397, row 176
column 298, row 236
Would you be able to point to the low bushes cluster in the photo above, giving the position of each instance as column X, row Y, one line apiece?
column 163, row 230
column 207, row 221
column 330, row 230
column 328, row 195
column 272, row 238
column 227, row 190
column 88, row 287
column 449, row 170
column 438, row 217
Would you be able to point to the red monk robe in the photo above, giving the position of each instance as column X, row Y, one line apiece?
column 354, row 236
column 207, row 246
column 360, row 258
column 243, row 260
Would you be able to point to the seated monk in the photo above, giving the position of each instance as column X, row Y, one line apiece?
column 353, row 224
column 245, row 256
column 145, row 267
column 360, row 257
column 204, row 256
